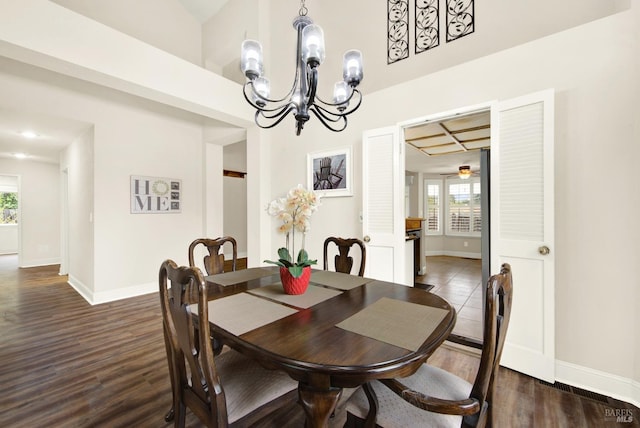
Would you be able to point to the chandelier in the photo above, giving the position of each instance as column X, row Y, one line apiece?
column 301, row 100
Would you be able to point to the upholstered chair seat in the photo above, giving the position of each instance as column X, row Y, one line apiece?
column 249, row 386
column 431, row 381
column 433, row 397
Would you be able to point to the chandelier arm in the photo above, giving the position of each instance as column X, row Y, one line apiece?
column 327, row 114
column 327, row 122
column 337, row 105
column 334, row 116
column 272, row 114
column 280, row 117
column 286, row 98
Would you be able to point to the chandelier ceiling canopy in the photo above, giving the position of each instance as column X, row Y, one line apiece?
column 301, row 100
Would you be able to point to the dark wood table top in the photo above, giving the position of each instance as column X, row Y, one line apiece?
column 323, row 357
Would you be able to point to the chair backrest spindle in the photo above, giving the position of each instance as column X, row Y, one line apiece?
column 214, row 261
column 191, row 359
column 342, row 261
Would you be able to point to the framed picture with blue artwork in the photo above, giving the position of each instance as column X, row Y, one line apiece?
column 329, row 172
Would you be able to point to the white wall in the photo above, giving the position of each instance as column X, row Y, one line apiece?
column 442, row 245
column 235, row 196
column 131, row 137
column 594, row 70
column 164, row 24
column 8, row 238
column 499, row 25
column 77, row 169
column 141, row 138
column 237, row 20
column 39, row 206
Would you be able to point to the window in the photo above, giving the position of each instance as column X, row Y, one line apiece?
column 8, row 208
column 433, row 206
column 464, row 215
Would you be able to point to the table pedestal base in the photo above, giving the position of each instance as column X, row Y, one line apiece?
column 318, row 404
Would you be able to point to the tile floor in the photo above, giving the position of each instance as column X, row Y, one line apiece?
column 458, row 281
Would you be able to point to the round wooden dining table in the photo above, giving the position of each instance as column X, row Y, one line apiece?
column 324, row 358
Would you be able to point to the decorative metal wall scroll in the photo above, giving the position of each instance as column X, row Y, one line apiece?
column 460, row 18
column 397, row 30
column 427, row 25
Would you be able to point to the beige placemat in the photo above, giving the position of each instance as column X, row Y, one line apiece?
column 242, row 312
column 399, row 323
column 230, row 278
column 312, row 296
column 341, row 281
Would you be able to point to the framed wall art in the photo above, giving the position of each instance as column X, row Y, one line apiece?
column 329, row 173
column 155, row 195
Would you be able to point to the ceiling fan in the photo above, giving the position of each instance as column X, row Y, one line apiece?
column 464, row 172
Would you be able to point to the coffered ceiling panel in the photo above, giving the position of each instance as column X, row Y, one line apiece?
column 455, row 135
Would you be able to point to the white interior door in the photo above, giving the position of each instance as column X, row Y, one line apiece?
column 522, row 226
column 383, row 204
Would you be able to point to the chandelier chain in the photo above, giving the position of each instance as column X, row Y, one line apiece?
column 303, row 9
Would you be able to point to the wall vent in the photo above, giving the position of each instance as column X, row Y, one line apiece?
column 577, row 391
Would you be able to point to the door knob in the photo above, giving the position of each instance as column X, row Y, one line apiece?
column 366, row 238
column 544, row 250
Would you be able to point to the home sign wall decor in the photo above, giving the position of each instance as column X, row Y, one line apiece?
column 151, row 195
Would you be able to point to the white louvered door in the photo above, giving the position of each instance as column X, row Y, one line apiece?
column 382, row 204
column 522, row 227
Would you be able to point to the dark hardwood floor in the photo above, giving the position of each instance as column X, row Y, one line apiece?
column 65, row 363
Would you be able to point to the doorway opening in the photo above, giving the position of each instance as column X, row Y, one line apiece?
column 235, row 199
column 447, row 159
column 10, row 218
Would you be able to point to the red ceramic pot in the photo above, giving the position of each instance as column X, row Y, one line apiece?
column 293, row 285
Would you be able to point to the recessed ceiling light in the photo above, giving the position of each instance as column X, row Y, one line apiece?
column 28, row 134
column 20, row 155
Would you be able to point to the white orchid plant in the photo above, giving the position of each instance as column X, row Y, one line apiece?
column 294, row 211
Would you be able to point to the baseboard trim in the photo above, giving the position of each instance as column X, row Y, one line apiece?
column 40, row 262
column 81, row 288
column 111, row 295
column 454, row 254
column 124, row 293
column 614, row 386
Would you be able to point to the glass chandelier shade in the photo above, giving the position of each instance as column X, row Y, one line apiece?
column 301, row 100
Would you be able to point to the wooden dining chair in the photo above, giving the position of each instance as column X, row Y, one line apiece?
column 435, row 397
column 342, row 261
column 214, row 261
column 225, row 390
